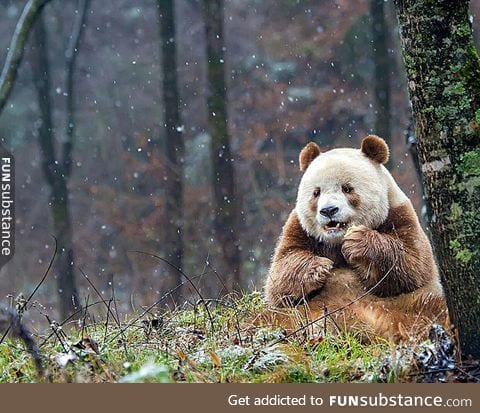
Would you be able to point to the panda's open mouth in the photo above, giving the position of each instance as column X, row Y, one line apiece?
column 334, row 226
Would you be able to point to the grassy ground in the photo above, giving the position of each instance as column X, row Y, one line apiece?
column 194, row 345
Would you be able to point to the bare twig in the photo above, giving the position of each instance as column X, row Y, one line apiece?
column 224, row 286
column 79, row 311
column 189, row 280
column 85, row 315
column 45, row 274
column 142, row 314
column 115, row 301
column 55, row 329
column 24, row 304
column 316, row 320
column 337, row 310
column 106, row 322
column 99, row 296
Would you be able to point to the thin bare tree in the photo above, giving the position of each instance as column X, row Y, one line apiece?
column 57, row 166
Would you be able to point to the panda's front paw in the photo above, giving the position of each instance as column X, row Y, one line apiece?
column 317, row 273
column 356, row 245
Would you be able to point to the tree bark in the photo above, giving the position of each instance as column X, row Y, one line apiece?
column 223, row 179
column 382, row 72
column 174, row 147
column 17, row 46
column 444, row 83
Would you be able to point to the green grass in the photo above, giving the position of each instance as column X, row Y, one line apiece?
column 189, row 345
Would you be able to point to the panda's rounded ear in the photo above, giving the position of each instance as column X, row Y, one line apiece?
column 308, row 154
column 375, row 148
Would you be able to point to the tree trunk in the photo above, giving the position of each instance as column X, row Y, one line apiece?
column 444, row 82
column 55, row 176
column 17, row 46
column 66, row 284
column 223, row 182
column 382, row 72
column 174, row 147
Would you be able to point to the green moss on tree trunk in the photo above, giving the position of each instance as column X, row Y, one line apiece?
column 444, row 82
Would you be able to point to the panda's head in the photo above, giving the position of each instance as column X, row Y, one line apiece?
column 345, row 187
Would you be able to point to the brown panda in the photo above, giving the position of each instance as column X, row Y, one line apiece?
column 354, row 230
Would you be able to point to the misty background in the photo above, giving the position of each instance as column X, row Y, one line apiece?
column 296, row 70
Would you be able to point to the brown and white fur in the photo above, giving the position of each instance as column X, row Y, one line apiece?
column 351, row 226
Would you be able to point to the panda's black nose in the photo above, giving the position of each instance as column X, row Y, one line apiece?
column 329, row 211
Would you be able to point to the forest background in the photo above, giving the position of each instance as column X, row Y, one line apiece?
column 142, row 178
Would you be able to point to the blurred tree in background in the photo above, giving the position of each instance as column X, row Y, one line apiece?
column 57, row 162
column 381, row 59
column 172, row 240
column 225, row 215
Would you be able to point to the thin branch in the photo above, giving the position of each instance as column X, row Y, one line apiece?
column 71, row 58
column 17, row 47
column 107, row 306
column 52, row 259
column 337, row 310
column 66, row 320
column 142, row 314
column 106, row 322
column 42, row 83
column 316, row 320
column 24, row 305
column 189, row 280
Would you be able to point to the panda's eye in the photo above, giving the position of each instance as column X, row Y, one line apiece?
column 316, row 193
column 347, row 189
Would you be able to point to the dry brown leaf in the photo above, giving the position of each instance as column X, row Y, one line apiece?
column 217, row 361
